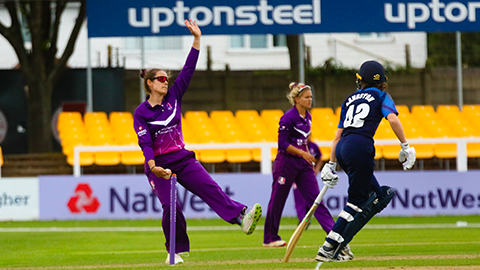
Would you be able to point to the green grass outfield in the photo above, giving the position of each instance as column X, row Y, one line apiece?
column 385, row 243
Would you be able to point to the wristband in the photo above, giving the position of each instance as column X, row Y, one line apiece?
column 153, row 167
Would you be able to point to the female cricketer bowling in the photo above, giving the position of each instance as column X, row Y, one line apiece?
column 353, row 148
column 157, row 122
column 294, row 164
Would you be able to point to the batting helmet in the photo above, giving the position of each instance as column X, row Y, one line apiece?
column 372, row 72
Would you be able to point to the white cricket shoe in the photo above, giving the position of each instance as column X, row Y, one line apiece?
column 250, row 220
column 325, row 254
column 178, row 259
column 346, row 254
column 278, row 243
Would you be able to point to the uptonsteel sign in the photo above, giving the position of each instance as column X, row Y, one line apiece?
column 153, row 17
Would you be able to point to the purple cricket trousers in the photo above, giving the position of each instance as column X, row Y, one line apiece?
column 193, row 177
column 289, row 169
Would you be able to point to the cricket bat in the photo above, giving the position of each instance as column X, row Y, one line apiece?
column 303, row 225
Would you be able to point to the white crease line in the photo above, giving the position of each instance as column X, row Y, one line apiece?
column 222, row 228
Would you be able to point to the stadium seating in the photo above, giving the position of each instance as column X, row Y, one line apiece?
column 1, row 157
column 225, row 126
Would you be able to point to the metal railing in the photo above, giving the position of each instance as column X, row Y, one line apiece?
column 266, row 162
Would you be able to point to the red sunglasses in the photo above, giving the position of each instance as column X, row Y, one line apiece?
column 160, row 78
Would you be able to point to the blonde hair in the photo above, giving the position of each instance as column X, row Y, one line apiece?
column 296, row 90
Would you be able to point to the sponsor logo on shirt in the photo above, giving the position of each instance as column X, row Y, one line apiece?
column 281, row 180
column 152, row 184
column 169, row 107
column 141, row 131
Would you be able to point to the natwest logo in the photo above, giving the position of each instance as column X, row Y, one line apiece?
column 83, row 200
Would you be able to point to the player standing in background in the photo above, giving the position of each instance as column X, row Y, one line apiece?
column 157, row 122
column 353, row 148
column 300, row 205
column 293, row 164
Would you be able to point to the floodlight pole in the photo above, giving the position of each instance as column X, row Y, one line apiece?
column 142, row 64
column 459, row 70
column 301, row 59
column 89, row 78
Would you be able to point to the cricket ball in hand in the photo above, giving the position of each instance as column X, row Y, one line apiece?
column 169, row 173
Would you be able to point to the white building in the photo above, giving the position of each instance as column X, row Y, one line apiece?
column 256, row 52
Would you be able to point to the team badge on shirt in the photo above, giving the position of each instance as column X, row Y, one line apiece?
column 281, row 180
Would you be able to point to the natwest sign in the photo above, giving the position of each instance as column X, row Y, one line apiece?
column 83, row 200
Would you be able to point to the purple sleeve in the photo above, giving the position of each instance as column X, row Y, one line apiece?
column 184, row 77
column 143, row 134
column 314, row 150
column 283, row 133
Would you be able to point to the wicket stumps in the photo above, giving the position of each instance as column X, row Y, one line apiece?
column 173, row 208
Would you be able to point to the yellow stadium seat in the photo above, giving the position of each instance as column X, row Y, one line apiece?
column 326, row 151
column 67, row 142
column 402, row 109
column 448, row 111
column 271, row 119
column 324, row 118
column 132, row 157
column 95, row 118
column 188, row 134
column 247, row 116
column 107, row 158
column 471, row 111
column 195, row 117
column 86, row 158
column 338, row 111
column 210, row 155
column 121, row 120
column 125, row 137
column 388, row 151
column 101, row 137
column 423, row 151
column 69, row 119
column 1, row 156
column 224, row 121
column 448, row 150
column 237, row 155
column 221, row 116
column 423, row 111
column 323, row 133
column 68, row 131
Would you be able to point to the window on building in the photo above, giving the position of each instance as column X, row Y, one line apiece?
column 375, row 36
column 154, row 43
column 257, row 41
column 27, row 37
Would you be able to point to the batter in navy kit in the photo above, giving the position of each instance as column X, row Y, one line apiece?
column 293, row 164
column 353, row 148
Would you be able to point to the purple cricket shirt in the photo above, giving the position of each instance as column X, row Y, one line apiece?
column 159, row 128
column 294, row 130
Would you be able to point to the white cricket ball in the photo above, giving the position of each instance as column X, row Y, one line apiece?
column 169, row 173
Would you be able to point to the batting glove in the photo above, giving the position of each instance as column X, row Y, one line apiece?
column 407, row 156
column 329, row 174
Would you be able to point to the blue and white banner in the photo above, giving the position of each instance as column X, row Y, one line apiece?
column 109, row 18
column 131, row 197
